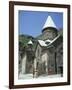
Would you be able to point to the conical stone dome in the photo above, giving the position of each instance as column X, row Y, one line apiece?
column 49, row 23
column 49, row 30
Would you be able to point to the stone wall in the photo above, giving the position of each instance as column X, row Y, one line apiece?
column 48, row 33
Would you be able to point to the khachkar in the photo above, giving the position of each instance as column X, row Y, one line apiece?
column 49, row 32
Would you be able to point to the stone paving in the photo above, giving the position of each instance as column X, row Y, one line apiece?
column 30, row 76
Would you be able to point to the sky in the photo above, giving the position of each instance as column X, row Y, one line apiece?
column 32, row 22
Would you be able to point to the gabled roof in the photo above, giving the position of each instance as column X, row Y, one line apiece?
column 30, row 42
column 49, row 23
column 42, row 43
column 48, row 41
column 56, row 40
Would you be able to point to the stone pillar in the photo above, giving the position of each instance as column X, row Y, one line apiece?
column 55, row 63
column 46, row 67
column 35, row 68
column 24, row 64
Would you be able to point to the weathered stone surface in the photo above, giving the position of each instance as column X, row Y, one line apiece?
column 44, row 59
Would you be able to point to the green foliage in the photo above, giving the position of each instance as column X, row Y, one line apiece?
column 23, row 43
column 24, row 39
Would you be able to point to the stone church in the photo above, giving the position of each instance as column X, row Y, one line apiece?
column 47, row 56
